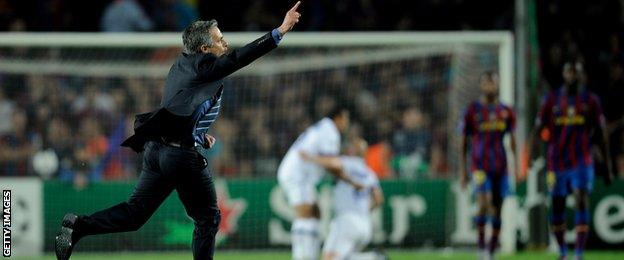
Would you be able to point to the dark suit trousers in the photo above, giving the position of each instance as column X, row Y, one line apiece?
column 165, row 168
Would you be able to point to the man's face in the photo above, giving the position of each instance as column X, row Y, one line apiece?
column 489, row 86
column 219, row 45
column 343, row 121
column 570, row 74
column 413, row 118
column 360, row 147
column 356, row 147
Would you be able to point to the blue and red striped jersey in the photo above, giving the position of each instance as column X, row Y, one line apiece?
column 570, row 120
column 486, row 126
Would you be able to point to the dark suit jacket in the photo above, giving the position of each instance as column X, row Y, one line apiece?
column 193, row 79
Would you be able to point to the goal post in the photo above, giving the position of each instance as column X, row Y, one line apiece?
column 294, row 39
column 406, row 89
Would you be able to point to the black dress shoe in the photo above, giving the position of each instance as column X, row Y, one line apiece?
column 66, row 239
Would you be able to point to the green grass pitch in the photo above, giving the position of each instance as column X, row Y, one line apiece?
column 271, row 255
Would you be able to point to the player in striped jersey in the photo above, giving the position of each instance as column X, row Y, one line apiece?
column 485, row 124
column 569, row 118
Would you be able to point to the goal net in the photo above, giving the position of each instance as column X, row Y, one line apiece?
column 73, row 97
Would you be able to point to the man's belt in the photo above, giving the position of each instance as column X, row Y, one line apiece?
column 178, row 143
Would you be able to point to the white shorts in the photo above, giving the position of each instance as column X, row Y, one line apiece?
column 298, row 193
column 348, row 233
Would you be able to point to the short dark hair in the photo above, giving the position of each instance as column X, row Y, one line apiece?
column 196, row 35
column 337, row 111
column 490, row 75
column 573, row 64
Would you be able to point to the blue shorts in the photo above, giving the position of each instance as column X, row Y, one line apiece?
column 496, row 183
column 563, row 183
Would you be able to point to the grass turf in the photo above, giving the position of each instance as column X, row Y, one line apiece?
column 271, row 255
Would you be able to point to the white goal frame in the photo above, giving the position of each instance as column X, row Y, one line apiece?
column 294, row 39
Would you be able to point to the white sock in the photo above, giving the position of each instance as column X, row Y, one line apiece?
column 364, row 256
column 305, row 239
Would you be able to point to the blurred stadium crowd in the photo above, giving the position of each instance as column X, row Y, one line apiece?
column 83, row 119
column 248, row 15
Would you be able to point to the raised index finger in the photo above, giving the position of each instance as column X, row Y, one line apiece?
column 295, row 7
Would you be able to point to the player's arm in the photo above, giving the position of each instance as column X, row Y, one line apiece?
column 603, row 144
column 602, row 138
column 237, row 59
column 515, row 156
column 463, row 156
column 539, row 132
column 463, row 173
column 377, row 197
column 333, row 165
column 535, row 138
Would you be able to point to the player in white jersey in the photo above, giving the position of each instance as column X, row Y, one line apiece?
column 298, row 179
column 351, row 229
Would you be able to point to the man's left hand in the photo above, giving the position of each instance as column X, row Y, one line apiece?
column 209, row 141
column 291, row 18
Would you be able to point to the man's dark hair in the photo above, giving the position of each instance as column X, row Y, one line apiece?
column 490, row 75
column 337, row 111
column 196, row 35
column 575, row 64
